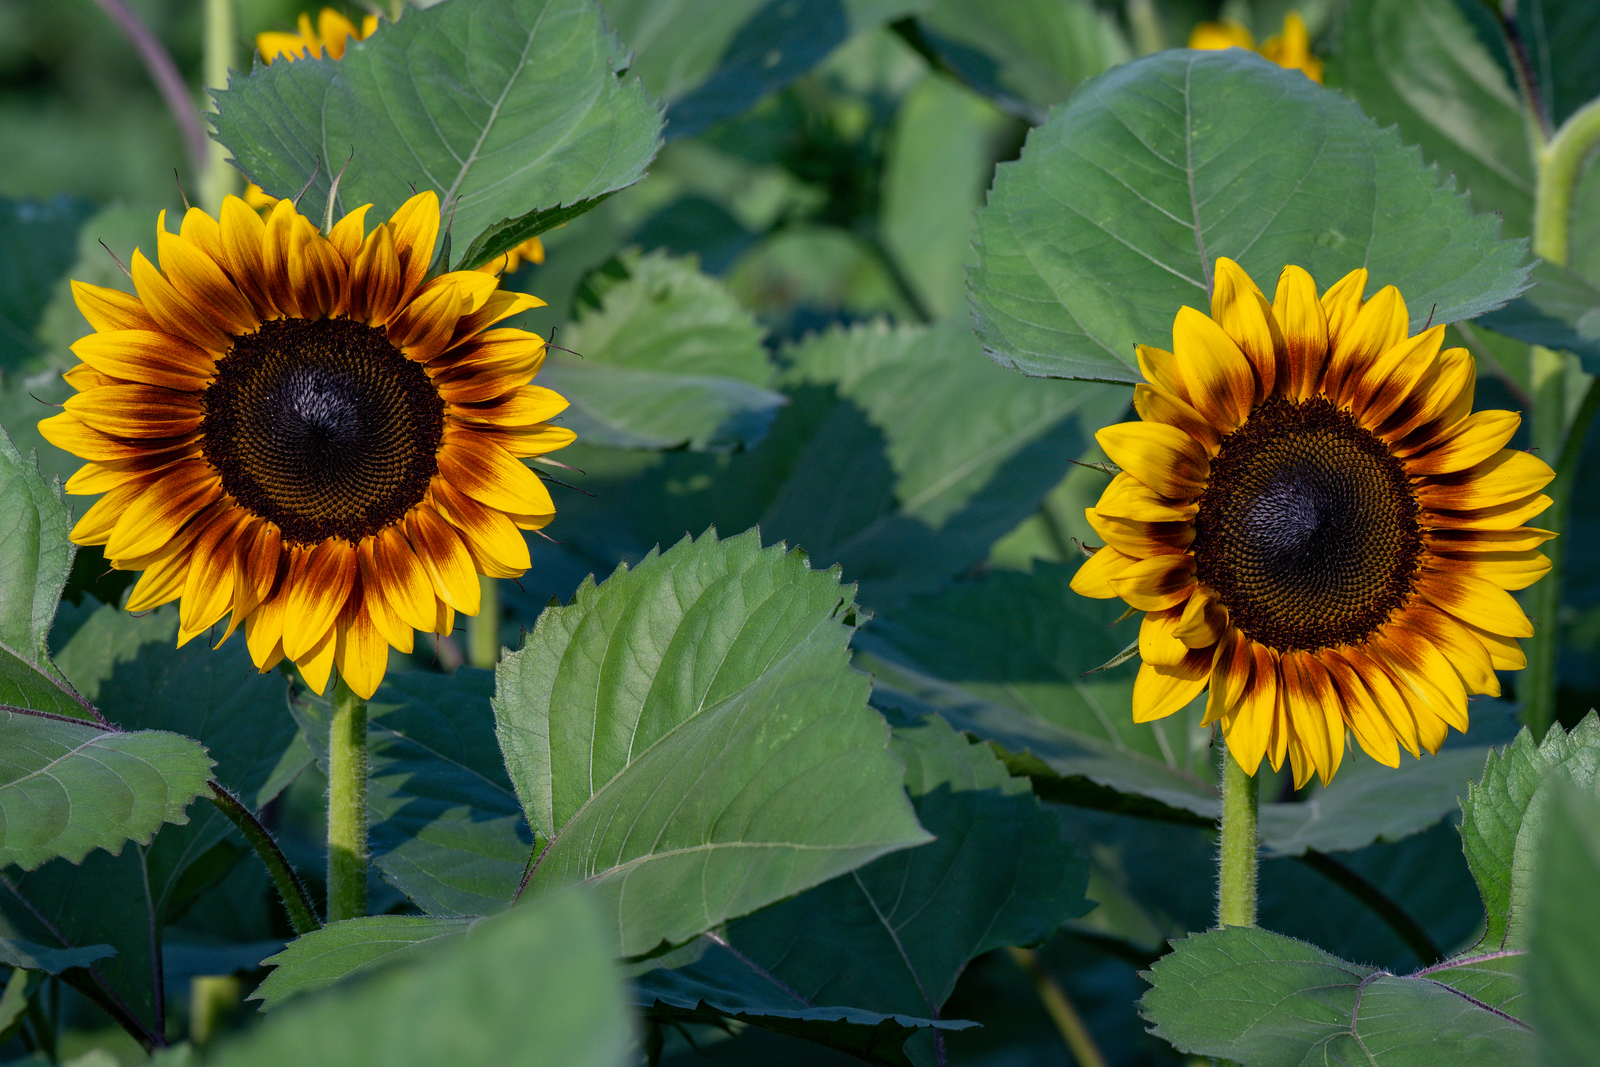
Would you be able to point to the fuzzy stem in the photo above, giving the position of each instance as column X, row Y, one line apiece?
column 217, row 177
column 347, row 805
column 483, row 629
column 295, row 900
column 1238, row 846
column 1068, row 1022
column 1560, row 164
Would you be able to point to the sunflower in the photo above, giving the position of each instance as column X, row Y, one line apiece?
column 333, row 31
column 1316, row 525
column 531, row 250
column 1291, row 49
column 305, row 432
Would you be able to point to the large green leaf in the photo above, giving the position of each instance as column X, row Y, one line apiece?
column 1563, row 980
column 323, row 957
column 445, row 825
column 1504, row 816
column 535, row 987
column 30, row 957
column 510, row 110
column 35, row 557
column 712, row 59
column 1261, row 999
column 131, row 670
column 68, row 787
column 1120, row 204
column 1418, row 64
column 38, row 242
column 664, row 358
column 893, row 936
column 1026, row 54
column 669, row 731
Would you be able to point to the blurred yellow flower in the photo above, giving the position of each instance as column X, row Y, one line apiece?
column 531, row 250
column 1290, row 49
column 333, row 31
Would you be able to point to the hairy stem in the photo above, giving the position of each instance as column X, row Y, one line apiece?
column 483, row 629
column 1238, row 848
column 217, row 178
column 347, row 805
column 1560, row 165
column 1068, row 1022
column 293, row 894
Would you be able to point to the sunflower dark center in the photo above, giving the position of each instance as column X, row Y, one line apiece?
column 1308, row 527
column 323, row 427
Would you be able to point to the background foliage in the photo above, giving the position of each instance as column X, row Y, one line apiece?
column 820, row 771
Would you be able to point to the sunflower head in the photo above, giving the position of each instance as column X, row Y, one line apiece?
column 332, row 33
column 305, row 432
column 1290, row 49
column 1317, row 525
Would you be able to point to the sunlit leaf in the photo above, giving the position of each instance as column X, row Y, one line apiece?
column 1120, row 204
column 1504, row 815
column 664, row 357
column 534, row 987
column 510, row 110
column 894, row 936
column 1260, row 999
column 1419, row 64
column 35, row 557
column 669, row 733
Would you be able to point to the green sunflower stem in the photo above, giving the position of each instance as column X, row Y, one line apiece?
column 217, row 177
column 347, row 805
column 1560, row 165
column 483, row 629
column 1239, row 847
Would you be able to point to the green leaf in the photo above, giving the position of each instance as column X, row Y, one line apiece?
column 712, row 59
column 38, row 242
column 710, row 984
column 535, row 987
column 30, row 957
column 1027, row 54
column 1005, row 659
column 1261, row 999
column 321, row 958
column 1563, row 36
column 69, row 787
column 665, row 358
column 35, row 557
column 894, row 936
column 1562, row 310
column 1120, row 204
column 1419, row 64
column 130, row 668
column 511, row 110
column 669, row 731
column 1503, row 817
column 445, row 825
column 1563, row 979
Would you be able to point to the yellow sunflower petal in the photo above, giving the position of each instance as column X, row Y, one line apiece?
column 1221, row 382
column 1371, row 726
column 172, row 310
column 157, row 515
column 111, row 309
column 1164, row 458
column 1470, row 442
column 445, row 558
column 492, row 476
column 496, row 546
column 203, row 284
column 1304, row 325
column 1475, row 600
column 415, row 228
column 1241, row 309
column 1506, row 476
column 142, row 411
column 1141, row 538
column 1394, row 375
column 1254, row 724
column 1128, row 498
column 316, row 664
column 389, row 563
column 1342, row 303
column 376, row 280
column 147, row 357
column 1159, row 690
column 361, row 653
column 1094, row 577
column 1377, row 327
column 1155, row 404
column 1160, row 368
column 318, row 589
column 1156, row 583
column 1205, row 619
column 1158, row 643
